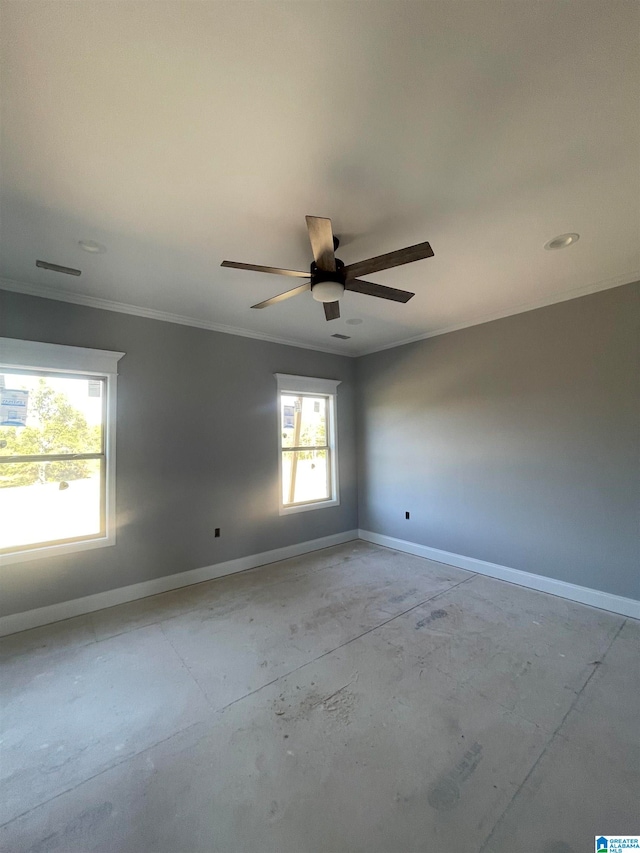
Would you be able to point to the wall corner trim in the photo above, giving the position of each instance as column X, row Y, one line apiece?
column 573, row 592
column 15, row 622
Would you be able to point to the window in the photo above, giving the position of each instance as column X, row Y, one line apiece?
column 57, row 449
column 307, row 443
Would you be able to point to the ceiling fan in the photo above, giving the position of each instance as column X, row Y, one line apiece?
column 329, row 276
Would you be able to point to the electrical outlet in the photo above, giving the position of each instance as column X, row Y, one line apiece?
column 217, row 533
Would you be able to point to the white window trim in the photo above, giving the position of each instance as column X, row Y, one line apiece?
column 288, row 383
column 34, row 355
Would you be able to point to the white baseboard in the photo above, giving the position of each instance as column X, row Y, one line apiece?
column 16, row 622
column 79, row 606
column 581, row 594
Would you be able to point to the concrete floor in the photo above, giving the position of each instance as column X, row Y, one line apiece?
column 354, row 700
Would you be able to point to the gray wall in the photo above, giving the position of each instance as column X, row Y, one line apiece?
column 515, row 442
column 177, row 481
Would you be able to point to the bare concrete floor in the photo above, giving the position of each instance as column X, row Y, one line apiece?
column 354, row 700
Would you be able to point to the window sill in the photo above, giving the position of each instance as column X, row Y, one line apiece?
column 290, row 510
column 53, row 551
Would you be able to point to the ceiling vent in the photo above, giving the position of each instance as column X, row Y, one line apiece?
column 342, row 337
column 45, row 265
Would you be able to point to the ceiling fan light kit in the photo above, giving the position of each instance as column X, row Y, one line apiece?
column 329, row 277
column 327, row 291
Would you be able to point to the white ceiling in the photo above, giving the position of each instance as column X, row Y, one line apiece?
column 179, row 134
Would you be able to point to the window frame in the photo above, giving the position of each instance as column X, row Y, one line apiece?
column 82, row 362
column 311, row 387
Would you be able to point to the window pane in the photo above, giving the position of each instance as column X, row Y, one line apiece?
column 63, row 415
column 305, row 476
column 304, row 421
column 46, row 501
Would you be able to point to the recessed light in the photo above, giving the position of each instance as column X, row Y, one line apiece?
column 92, row 246
column 562, row 241
column 354, row 322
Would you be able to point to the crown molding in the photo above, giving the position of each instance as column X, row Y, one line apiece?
column 183, row 320
column 153, row 314
column 567, row 295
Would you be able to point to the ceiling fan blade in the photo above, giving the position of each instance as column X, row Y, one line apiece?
column 391, row 259
column 370, row 289
column 331, row 310
column 321, row 236
column 256, row 268
column 282, row 296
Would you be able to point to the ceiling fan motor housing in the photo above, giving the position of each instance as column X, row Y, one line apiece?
column 327, row 285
